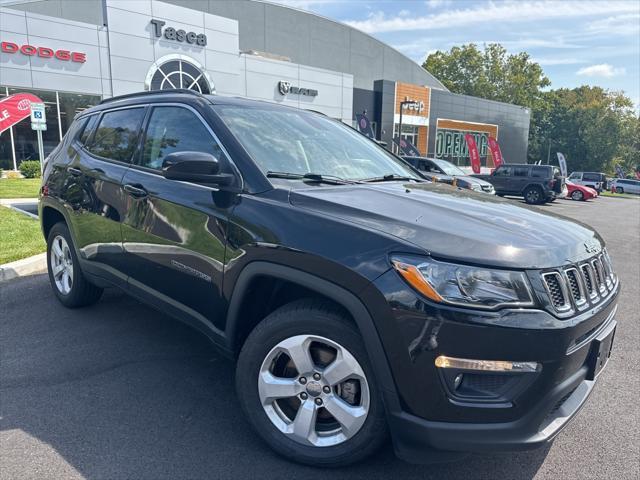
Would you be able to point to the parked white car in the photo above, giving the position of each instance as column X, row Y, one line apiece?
column 626, row 185
column 595, row 180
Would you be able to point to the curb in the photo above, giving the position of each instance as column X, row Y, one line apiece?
column 23, row 267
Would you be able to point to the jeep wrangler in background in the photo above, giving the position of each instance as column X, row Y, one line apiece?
column 535, row 183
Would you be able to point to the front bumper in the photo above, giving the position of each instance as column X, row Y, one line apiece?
column 428, row 417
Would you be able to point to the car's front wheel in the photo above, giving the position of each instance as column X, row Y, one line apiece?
column 69, row 284
column 577, row 195
column 305, row 383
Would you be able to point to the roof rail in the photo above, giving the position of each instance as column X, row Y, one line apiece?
column 151, row 92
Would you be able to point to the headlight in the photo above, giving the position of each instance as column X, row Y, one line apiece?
column 463, row 285
column 476, row 187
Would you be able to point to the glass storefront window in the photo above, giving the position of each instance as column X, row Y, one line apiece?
column 25, row 143
column 409, row 133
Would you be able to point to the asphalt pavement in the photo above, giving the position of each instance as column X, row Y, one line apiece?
column 121, row 391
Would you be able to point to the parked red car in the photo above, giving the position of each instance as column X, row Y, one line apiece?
column 580, row 192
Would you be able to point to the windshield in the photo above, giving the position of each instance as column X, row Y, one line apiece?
column 449, row 168
column 299, row 142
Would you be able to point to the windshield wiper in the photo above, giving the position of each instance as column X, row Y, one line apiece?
column 391, row 177
column 312, row 177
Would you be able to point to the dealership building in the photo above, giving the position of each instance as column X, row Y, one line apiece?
column 72, row 54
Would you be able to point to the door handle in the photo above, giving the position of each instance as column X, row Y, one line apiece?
column 136, row 191
column 76, row 172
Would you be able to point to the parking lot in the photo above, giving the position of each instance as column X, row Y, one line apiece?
column 118, row 390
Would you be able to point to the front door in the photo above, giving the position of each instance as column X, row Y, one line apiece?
column 174, row 232
column 500, row 179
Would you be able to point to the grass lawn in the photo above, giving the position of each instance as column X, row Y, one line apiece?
column 19, row 187
column 20, row 236
column 619, row 195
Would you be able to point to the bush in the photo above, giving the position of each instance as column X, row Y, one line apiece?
column 30, row 169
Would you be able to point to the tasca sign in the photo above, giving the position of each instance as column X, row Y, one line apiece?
column 15, row 108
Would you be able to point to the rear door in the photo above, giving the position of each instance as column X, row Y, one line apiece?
column 174, row 232
column 103, row 154
column 519, row 178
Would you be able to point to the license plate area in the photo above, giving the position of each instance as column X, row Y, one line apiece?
column 600, row 352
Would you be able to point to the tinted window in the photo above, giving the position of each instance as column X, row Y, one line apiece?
column 503, row 172
column 521, row 171
column 540, row 172
column 175, row 129
column 591, row 177
column 89, row 126
column 117, row 134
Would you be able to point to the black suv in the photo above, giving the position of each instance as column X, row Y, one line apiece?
column 536, row 183
column 359, row 299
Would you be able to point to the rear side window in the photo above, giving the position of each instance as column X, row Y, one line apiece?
column 591, row 177
column 89, row 127
column 520, row 171
column 117, row 134
column 540, row 172
column 175, row 129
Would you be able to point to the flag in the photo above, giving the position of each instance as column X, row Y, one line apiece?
column 473, row 152
column 495, row 152
column 619, row 171
column 406, row 147
column 15, row 108
column 364, row 125
column 563, row 164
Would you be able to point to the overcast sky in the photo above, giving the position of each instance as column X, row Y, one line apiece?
column 576, row 41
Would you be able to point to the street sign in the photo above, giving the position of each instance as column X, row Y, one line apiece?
column 38, row 114
column 39, row 123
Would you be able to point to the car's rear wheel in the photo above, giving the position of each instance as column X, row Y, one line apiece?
column 577, row 195
column 306, row 385
column 619, row 190
column 533, row 195
column 67, row 280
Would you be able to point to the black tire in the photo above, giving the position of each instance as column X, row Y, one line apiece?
column 315, row 318
column 533, row 195
column 81, row 292
column 619, row 190
column 577, row 195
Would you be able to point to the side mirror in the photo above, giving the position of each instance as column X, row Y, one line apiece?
column 198, row 167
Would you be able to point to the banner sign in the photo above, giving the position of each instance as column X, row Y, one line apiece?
column 364, row 125
column 495, row 152
column 563, row 164
column 473, row 152
column 406, row 147
column 15, row 108
column 620, row 171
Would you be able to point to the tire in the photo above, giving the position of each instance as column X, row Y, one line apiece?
column 533, row 195
column 311, row 324
column 577, row 195
column 69, row 284
column 619, row 190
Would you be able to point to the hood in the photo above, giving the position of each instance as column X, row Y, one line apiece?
column 456, row 224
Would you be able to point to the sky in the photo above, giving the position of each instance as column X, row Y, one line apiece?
column 577, row 42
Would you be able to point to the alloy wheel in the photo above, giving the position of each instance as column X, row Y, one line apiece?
column 61, row 264
column 313, row 390
column 577, row 195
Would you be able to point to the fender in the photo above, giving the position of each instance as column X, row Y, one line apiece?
column 343, row 297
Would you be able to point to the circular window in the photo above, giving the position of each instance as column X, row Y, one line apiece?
column 178, row 71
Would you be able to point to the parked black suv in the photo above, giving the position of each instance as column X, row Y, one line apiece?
column 358, row 298
column 536, row 183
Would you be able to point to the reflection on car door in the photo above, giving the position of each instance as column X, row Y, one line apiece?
column 500, row 179
column 102, row 154
column 174, row 232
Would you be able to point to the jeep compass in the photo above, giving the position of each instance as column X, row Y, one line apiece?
column 360, row 301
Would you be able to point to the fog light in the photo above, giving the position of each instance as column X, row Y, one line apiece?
column 486, row 365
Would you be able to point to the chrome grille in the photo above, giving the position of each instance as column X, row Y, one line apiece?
column 575, row 287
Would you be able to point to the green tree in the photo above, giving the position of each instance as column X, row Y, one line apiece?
column 495, row 75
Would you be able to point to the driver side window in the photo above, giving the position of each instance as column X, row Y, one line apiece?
column 175, row 129
column 503, row 172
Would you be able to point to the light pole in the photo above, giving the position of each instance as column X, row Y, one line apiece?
column 403, row 105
